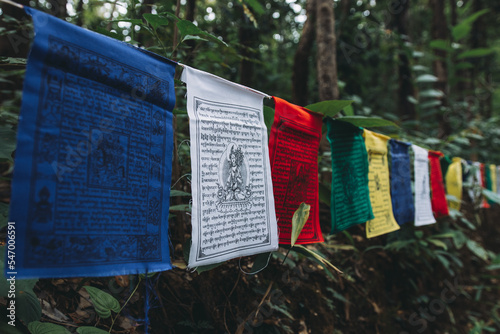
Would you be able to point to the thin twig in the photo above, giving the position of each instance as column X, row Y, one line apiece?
column 12, row 3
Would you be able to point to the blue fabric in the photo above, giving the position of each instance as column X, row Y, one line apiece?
column 401, row 193
column 91, row 187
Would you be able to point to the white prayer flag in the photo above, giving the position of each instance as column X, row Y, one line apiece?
column 233, row 211
column 423, row 206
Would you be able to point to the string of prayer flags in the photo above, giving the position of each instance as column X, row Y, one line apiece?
column 401, row 193
column 293, row 149
column 473, row 177
column 482, row 169
column 379, row 185
column 438, row 199
column 233, row 210
column 423, row 206
column 90, row 194
column 350, row 199
column 454, row 183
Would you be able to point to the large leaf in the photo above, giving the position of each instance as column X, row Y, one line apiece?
column 103, row 302
column 155, row 20
column 37, row 327
column 90, row 330
column 460, row 31
column 189, row 28
column 260, row 263
column 330, row 107
column 28, row 307
column 268, row 118
column 367, row 122
column 474, row 53
column 316, row 257
column 299, row 219
column 5, row 328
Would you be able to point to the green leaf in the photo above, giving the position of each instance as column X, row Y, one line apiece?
column 180, row 207
column 103, row 302
column 367, row 122
column 174, row 193
column 256, row 6
column 193, row 37
column 349, row 110
column 460, row 31
column 5, row 328
column 133, row 21
column 8, row 140
column 155, row 20
column 90, row 330
column 208, row 267
column 260, row 263
column 189, row 28
column 463, row 66
column 475, row 16
column 111, row 34
column 420, row 68
column 28, row 306
column 299, row 219
column 315, row 257
column 441, row 44
column 426, row 78
column 330, row 107
column 474, row 53
column 268, row 118
column 430, row 104
column 477, row 249
column 438, row 243
column 37, row 327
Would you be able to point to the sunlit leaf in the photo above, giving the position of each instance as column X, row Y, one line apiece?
column 155, row 20
column 426, row 78
column 299, row 219
column 431, row 93
column 438, row 243
column 256, row 6
column 477, row 249
column 189, row 28
column 103, row 302
column 330, row 107
column 441, row 44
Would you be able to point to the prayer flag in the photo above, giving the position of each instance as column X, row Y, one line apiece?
column 423, row 206
column 454, row 183
column 293, row 149
column 498, row 179
column 90, row 195
column 438, row 199
column 233, row 211
column 401, row 194
column 493, row 178
column 350, row 199
column 483, row 171
column 379, row 185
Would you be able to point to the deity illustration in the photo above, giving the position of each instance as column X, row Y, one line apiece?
column 108, row 162
column 234, row 187
column 297, row 183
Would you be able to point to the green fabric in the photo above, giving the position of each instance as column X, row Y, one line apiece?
column 487, row 177
column 445, row 162
column 350, row 199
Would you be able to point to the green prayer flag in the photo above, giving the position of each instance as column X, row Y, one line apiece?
column 350, row 197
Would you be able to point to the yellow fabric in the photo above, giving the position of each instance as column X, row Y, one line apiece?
column 453, row 180
column 493, row 175
column 379, row 186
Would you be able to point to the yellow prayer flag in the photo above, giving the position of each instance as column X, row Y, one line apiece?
column 379, row 186
column 454, row 183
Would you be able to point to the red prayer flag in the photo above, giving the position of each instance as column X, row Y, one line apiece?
column 293, row 150
column 438, row 199
column 484, row 203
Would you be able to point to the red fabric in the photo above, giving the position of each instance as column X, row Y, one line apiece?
column 484, row 203
column 438, row 199
column 293, row 150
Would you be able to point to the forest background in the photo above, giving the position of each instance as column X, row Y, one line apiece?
column 430, row 66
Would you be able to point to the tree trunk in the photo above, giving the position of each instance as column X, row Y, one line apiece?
column 405, row 90
column 439, row 30
column 300, row 73
column 326, row 58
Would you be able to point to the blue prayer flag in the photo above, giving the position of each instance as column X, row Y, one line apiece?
column 91, row 187
column 401, row 193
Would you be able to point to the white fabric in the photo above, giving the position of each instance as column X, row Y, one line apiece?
column 423, row 206
column 233, row 211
